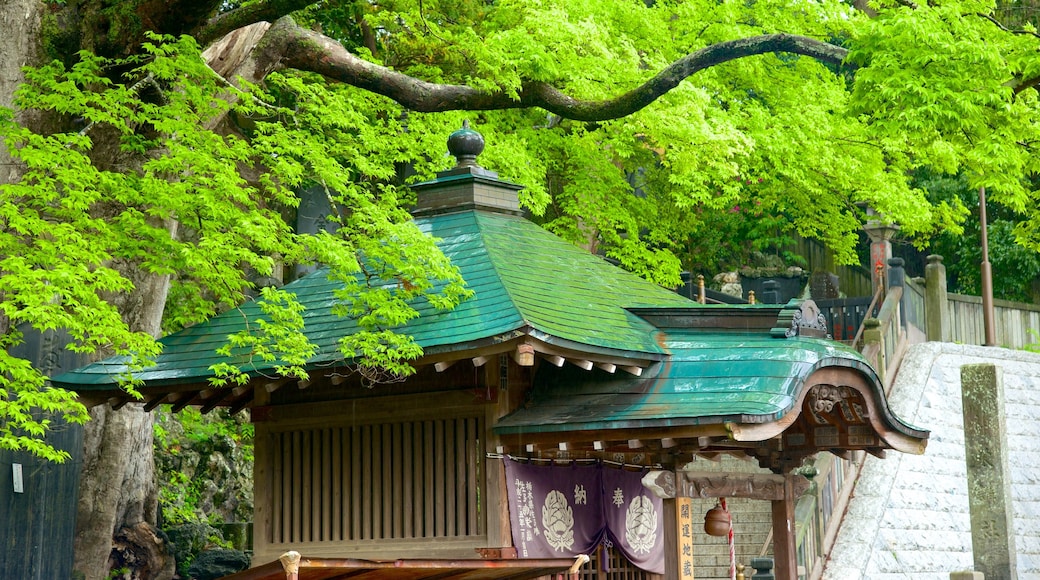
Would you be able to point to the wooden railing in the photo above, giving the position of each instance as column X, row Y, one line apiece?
column 819, row 513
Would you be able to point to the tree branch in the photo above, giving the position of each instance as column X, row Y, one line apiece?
column 287, row 45
column 231, row 20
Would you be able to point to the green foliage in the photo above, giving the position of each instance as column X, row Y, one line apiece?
column 937, row 86
column 174, row 200
column 1015, row 268
column 161, row 167
column 1033, row 346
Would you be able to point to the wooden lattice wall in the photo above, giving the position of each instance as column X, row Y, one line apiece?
column 411, row 479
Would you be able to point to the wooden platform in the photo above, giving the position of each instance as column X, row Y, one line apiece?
column 292, row 566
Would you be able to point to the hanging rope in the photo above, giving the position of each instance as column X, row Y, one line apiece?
column 732, row 552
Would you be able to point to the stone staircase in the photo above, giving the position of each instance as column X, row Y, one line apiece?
column 752, row 523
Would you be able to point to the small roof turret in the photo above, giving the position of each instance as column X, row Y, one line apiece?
column 467, row 185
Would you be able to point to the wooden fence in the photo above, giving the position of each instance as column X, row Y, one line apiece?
column 1014, row 322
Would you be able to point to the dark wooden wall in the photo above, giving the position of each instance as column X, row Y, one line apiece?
column 37, row 526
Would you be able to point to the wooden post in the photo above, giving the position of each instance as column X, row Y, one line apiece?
column 291, row 564
column 262, row 480
column 873, row 340
column 785, row 553
column 683, row 546
column 500, row 375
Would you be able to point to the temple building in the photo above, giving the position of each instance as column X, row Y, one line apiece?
column 553, row 414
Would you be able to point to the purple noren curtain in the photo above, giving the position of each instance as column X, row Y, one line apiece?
column 566, row 510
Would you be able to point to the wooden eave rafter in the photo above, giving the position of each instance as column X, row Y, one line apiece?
column 517, row 345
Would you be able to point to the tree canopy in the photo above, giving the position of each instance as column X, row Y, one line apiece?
column 168, row 140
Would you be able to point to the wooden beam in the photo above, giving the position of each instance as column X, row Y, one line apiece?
column 275, row 385
column 556, row 361
column 242, row 403
column 699, row 484
column 668, row 443
column 633, row 370
column 585, row 364
column 337, row 379
column 118, row 402
column 241, row 390
column 635, row 444
column 607, row 367
column 156, row 401
column 531, row 447
column 303, row 383
column 479, row 361
column 563, row 446
column 443, row 365
column 599, row 445
column 212, row 402
column 207, row 393
column 183, row 401
column 524, row 355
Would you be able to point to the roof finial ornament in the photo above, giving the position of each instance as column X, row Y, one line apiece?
column 465, row 144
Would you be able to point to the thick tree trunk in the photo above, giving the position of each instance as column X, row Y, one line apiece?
column 118, row 488
column 20, row 21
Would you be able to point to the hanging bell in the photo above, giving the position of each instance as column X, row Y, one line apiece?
column 717, row 521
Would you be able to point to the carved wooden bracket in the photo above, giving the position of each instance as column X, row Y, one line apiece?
column 765, row 486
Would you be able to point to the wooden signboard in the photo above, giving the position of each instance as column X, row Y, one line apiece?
column 684, row 536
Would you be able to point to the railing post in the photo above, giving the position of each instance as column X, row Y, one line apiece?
column 936, row 301
column 897, row 278
column 873, row 340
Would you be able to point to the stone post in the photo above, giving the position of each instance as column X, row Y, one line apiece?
column 771, row 292
column 763, row 569
column 896, row 272
column 936, row 301
column 989, row 493
column 880, row 235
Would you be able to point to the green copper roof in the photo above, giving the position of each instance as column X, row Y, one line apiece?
column 524, row 278
column 709, row 378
